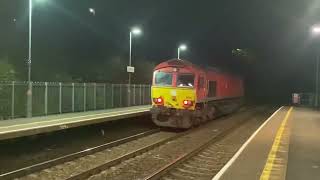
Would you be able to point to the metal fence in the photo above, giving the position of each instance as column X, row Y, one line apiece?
column 55, row 98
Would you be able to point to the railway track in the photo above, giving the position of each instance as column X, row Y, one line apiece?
column 47, row 164
column 206, row 160
column 200, row 161
column 99, row 163
column 129, row 155
column 95, row 160
column 204, row 157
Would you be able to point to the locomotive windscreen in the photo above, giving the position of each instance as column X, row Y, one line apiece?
column 185, row 80
column 163, row 78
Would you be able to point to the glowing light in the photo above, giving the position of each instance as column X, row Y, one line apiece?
column 136, row 31
column 183, row 47
column 187, row 103
column 316, row 30
column 92, row 11
column 158, row 100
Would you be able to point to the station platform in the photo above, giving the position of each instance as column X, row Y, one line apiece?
column 286, row 146
column 30, row 126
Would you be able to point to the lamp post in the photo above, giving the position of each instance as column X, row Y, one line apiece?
column 29, row 92
column 29, row 61
column 133, row 32
column 182, row 47
column 316, row 32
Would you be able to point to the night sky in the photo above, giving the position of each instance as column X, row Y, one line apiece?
column 70, row 39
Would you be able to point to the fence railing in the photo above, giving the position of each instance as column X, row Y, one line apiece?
column 55, row 98
column 304, row 99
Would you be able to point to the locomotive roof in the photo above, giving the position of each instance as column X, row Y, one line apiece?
column 184, row 63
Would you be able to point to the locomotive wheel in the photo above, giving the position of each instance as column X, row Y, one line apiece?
column 211, row 112
column 204, row 118
column 196, row 121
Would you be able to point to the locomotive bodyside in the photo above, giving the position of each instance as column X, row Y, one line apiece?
column 184, row 95
column 226, row 94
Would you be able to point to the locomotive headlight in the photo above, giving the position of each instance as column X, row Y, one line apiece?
column 158, row 101
column 187, row 103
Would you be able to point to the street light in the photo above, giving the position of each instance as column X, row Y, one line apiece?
column 182, row 47
column 135, row 31
column 92, row 11
column 29, row 92
column 315, row 31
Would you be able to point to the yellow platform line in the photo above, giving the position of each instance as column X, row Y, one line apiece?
column 272, row 157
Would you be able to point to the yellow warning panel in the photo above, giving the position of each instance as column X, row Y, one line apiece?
column 174, row 97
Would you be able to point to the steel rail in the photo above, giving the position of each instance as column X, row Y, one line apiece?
column 183, row 158
column 100, row 168
column 47, row 164
column 118, row 160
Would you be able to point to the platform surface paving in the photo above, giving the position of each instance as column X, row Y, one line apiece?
column 304, row 150
column 287, row 146
column 36, row 125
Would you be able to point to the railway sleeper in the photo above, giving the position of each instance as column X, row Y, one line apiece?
column 197, row 164
column 192, row 173
column 198, row 168
column 178, row 175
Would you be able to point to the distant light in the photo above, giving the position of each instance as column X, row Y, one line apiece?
column 136, row 31
column 238, row 49
column 92, row 11
column 316, row 30
column 14, row 20
column 183, row 47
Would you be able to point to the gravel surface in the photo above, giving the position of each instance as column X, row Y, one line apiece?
column 208, row 162
column 85, row 163
column 26, row 151
column 149, row 162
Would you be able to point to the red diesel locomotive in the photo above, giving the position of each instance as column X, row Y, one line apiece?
column 185, row 95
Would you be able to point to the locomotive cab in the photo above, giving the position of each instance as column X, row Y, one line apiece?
column 173, row 89
column 173, row 95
